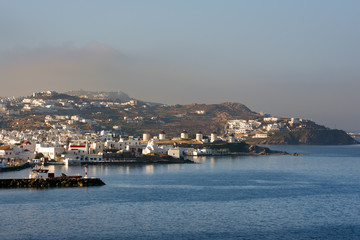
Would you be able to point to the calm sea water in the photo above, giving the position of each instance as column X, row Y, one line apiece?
column 311, row 196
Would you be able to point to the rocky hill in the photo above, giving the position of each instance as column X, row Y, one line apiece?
column 193, row 118
column 310, row 137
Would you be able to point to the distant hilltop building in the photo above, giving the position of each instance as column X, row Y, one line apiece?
column 295, row 121
column 43, row 93
column 271, row 119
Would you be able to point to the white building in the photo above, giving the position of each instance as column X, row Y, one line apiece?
column 25, row 155
column 49, row 152
column 96, row 147
column 81, row 148
column 112, row 145
column 7, row 152
column 152, row 147
column 240, row 126
column 77, row 158
column 176, row 153
column 271, row 119
column 273, row 127
column 261, row 135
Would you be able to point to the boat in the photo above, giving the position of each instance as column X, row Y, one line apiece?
column 6, row 168
column 39, row 170
column 55, row 163
column 44, row 173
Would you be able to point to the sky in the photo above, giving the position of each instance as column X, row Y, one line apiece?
column 296, row 58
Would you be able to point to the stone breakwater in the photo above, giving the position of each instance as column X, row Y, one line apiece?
column 50, row 182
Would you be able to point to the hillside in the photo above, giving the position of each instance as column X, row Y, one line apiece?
column 193, row 118
column 96, row 111
column 310, row 137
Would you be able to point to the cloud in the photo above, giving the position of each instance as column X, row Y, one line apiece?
column 94, row 66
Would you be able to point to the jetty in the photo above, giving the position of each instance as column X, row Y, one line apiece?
column 39, row 179
column 50, row 182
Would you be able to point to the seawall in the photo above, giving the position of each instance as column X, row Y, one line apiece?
column 50, row 182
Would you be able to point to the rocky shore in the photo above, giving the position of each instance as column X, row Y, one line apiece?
column 310, row 137
column 242, row 148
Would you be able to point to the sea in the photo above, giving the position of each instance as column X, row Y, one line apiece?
column 315, row 195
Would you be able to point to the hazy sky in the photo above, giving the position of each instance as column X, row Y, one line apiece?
column 288, row 58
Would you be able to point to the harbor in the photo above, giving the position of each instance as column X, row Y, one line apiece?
column 228, row 197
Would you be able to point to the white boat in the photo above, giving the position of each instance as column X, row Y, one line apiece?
column 38, row 172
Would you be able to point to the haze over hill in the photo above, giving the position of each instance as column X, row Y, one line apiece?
column 288, row 58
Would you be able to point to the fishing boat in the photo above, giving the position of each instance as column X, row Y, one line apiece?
column 38, row 172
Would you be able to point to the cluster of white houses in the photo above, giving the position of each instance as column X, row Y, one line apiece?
column 97, row 150
column 63, row 143
column 260, row 129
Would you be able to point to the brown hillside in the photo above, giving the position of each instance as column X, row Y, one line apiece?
column 176, row 118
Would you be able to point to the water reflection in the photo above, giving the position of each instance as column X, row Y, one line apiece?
column 65, row 167
column 149, row 169
column 121, row 170
column 199, row 159
column 212, row 162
